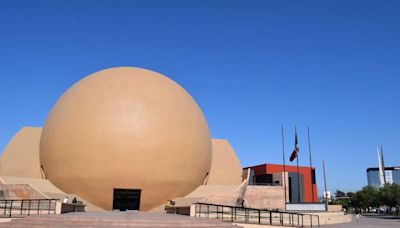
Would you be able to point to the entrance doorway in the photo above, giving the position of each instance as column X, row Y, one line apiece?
column 126, row 199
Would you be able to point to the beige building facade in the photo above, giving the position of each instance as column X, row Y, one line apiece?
column 123, row 133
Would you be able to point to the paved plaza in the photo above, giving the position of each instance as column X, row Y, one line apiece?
column 371, row 221
column 113, row 219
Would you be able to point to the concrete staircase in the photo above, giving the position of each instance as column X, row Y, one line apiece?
column 113, row 219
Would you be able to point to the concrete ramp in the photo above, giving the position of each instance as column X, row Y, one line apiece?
column 208, row 190
column 44, row 188
column 200, row 193
column 229, row 197
column 20, row 191
column 40, row 185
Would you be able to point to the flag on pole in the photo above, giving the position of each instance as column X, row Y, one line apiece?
column 296, row 148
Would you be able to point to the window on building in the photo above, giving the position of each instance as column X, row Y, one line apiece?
column 313, row 178
column 264, row 179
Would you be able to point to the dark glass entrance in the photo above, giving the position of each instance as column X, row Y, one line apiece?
column 126, row 199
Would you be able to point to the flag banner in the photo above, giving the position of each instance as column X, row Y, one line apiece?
column 296, row 148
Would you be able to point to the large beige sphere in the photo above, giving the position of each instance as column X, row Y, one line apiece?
column 126, row 128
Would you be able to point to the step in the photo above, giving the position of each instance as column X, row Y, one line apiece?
column 113, row 220
column 11, row 225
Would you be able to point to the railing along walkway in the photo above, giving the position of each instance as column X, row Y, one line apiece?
column 20, row 208
column 255, row 216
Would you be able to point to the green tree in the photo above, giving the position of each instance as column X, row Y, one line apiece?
column 370, row 197
column 340, row 193
column 341, row 199
column 355, row 200
column 365, row 198
column 350, row 194
column 389, row 195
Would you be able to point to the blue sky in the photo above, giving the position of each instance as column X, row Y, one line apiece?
column 252, row 66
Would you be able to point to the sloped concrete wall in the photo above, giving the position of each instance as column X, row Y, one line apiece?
column 45, row 188
column 20, row 191
column 21, row 156
column 225, row 166
column 231, row 198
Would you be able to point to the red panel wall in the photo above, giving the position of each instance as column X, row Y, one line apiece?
column 305, row 171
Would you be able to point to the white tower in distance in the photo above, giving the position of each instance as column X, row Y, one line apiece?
column 381, row 166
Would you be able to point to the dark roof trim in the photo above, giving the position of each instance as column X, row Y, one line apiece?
column 386, row 168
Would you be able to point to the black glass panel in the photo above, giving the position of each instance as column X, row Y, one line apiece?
column 313, row 176
column 126, row 199
column 264, row 179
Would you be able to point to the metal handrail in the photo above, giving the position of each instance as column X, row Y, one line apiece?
column 252, row 215
column 21, row 207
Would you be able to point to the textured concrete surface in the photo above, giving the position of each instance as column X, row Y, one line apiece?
column 45, row 188
column 20, row 191
column 41, row 185
column 265, row 197
column 254, row 225
column 225, row 166
column 208, row 190
column 203, row 191
column 21, row 156
column 5, row 220
column 335, row 208
column 370, row 222
column 332, row 217
column 114, row 219
column 232, row 198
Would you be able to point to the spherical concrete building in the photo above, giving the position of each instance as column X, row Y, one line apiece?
column 126, row 129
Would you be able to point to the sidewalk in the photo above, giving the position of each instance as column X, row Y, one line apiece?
column 374, row 221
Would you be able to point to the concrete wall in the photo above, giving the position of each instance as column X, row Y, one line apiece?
column 21, row 156
column 305, row 207
column 326, row 218
column 335, row 208
column 225, row 166
column 283, row 178
column 265, row 197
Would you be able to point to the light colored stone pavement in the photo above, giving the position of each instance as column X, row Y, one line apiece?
column 113, row 219
column 365, row 221
column 370, row 222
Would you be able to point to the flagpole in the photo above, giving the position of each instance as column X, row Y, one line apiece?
column 284, row 164
column 311, row 169
column 326, row 189
column 298, row 170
